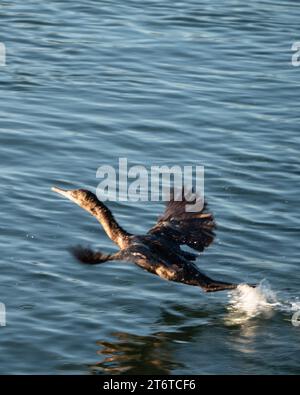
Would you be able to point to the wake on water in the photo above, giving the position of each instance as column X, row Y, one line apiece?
column 246, row 302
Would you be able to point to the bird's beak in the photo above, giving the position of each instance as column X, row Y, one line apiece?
column 62, row 192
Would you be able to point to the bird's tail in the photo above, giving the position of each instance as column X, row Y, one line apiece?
column 88, row 256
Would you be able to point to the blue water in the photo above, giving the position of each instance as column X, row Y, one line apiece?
column 189, row 83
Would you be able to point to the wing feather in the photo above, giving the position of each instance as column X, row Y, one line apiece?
column 194, row 229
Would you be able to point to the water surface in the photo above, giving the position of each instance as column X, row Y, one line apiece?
column 195, row 82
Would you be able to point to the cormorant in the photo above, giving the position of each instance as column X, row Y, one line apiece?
column 159, row 250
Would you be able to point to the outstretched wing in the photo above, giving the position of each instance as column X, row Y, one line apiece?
column 194, row 229
column 88, row 256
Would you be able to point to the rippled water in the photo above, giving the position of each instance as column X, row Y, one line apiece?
column 195, row 82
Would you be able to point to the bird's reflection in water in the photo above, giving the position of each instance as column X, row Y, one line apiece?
column 158, row 352
column 154, row 353
column 134, row 354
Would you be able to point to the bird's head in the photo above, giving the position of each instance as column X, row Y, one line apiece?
column 82, row 197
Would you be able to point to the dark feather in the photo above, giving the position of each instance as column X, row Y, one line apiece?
column 88, row 256
column 194, row 229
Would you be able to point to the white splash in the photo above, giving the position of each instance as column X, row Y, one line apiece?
column 293, row 306
column 247, row 302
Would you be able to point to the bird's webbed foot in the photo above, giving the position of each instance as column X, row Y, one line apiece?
column 218, row 286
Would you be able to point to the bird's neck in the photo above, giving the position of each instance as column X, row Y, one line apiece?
column 114, row 231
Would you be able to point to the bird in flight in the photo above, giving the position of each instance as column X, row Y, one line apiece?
column 159, row 250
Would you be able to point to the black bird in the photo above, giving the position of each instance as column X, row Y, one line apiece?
column 159, row 250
